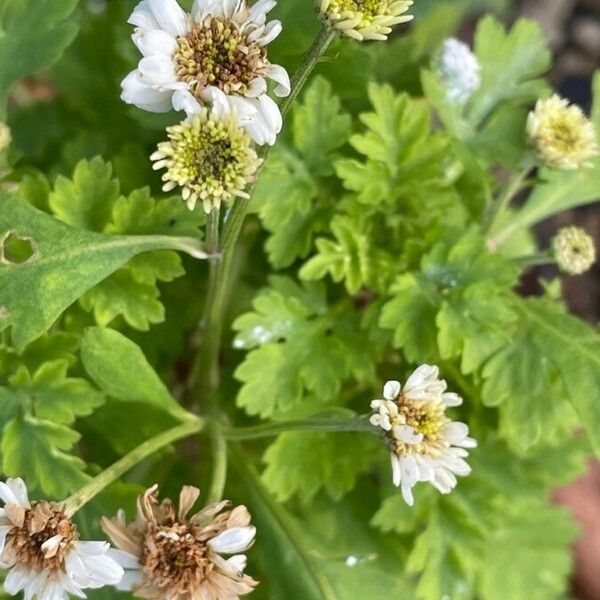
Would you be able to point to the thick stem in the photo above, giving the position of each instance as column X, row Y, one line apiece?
column 206, row 371
column 219, row 470
column 110, row 475
column 209, row 336
column 357, row 424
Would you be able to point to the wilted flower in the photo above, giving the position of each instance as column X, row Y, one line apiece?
column 425, row 444
column 209, row 157
column 459, row 69
column 5, row 137
column 574, row 250
column 169, row 556
column 364, row 19
column 215, row 54
column 563, row 136
column 40, row 546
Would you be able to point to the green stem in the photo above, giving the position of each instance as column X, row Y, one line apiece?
column 513, row 187
column 360, row 424
column 208, row 336
column 127, row 462
column 219, row 470
column 206, row 369
column 534, row 260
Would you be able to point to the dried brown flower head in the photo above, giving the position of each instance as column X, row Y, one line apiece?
column 176, row 557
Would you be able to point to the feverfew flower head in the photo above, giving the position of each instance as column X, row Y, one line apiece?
column 425, row 445
column 574, row 250
column 459, row 69
column 216, row 53
column 5, row 137
column 364, row 19
column 209, row 157
column 168, row 555
column 40, row 546
column 562, row 135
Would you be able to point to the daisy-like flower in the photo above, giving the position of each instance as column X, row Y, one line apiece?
column 40, row 546
column 216, row 53
column 425, row 445
column 209, row 157
column 574, row 250
column 459, row 69
column 563, row 136
column 170, row 556
column 364, row 19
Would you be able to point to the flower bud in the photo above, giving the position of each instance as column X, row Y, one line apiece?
column 574, row 250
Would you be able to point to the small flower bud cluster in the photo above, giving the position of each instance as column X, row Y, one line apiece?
column 574, row 250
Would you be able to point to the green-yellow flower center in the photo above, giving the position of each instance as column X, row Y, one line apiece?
column 209, row 157
column 217, row 53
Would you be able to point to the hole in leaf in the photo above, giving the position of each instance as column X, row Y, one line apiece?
column 4, row 313
column 16, row 250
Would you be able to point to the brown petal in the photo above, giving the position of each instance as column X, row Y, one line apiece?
column 120, row 536
column 187, row 498
column 15, row 514
column 240, row 517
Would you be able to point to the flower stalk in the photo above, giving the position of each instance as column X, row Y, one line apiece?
column 127, row 462
column 205, row 370
column 356, row 424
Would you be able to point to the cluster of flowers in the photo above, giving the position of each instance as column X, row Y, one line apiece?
column 212, row 63
column 162, row 554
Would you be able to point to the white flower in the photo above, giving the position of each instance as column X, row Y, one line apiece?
column 563, row 136
column 216, row 54
column 40, row 546
column 425, row 445
column 169, row 555
column 459, row 69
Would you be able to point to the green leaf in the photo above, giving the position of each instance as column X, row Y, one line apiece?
column 120, row 369
column 299, row 349
column 403, row 155
column 283, row 541
column 348, row 258
column 320, row 126
column 66, row 263
column 464, row 291
column 511, row 65
column 573, row 348
column 303, row 463
column 541, row 539
column 34, row 35
column 86, row 200
column 39, row 449
column 91, row 200
column 405, row 314
column 43, row 405
column 284, row 198
column 289, row 199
